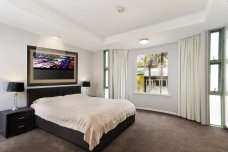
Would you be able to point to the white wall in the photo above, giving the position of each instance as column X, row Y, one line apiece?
column 13, row 62
column 168, row 104
column 98, row 73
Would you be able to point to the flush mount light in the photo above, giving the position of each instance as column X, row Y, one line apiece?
column 144, row 41
column 120, row 9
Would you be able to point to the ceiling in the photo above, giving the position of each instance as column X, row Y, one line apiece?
column 101, row 17
column 97, row 25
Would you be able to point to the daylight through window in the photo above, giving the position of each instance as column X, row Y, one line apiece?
column 152, row 73
column 106, row 73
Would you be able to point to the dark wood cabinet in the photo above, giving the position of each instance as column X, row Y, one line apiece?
column 16, row 122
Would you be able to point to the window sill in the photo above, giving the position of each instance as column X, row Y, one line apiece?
column 154, row 94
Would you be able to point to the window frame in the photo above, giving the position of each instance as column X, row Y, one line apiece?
column 106, row 69
column 220, row 63
column 167, row 80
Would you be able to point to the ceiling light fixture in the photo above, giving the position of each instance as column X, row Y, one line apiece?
column 120, row 9
column 144, row 41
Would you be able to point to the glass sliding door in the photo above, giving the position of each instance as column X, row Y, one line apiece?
column 226, row 80
column 216, row 73
column 226, row 111
column 106, row 74
column 215, row 110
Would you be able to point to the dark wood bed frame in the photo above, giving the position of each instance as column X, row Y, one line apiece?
column 71, row 135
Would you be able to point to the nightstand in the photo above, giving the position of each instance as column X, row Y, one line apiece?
column 16, row 122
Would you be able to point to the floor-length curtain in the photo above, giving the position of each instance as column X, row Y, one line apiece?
column 118, row 74
column 189, row 90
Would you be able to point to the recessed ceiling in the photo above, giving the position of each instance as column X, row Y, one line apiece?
column 97, row 25
column 102, row 18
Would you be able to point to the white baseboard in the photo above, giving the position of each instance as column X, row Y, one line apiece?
column 156, row 110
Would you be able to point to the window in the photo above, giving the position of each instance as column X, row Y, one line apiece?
column 152, row 73
column 216, row 72
column 226, row 82
column 106, row 73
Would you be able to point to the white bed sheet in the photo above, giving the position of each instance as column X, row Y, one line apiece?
column 89, row 115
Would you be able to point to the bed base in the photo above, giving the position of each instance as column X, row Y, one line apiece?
column 71, row 135
column 76, row 137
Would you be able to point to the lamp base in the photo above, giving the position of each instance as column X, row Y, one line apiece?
column 15, row 108
column 86, row 91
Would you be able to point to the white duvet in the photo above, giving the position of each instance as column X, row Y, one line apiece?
column 91, row 116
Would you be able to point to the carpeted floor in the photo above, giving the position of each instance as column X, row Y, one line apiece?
column 152, row 132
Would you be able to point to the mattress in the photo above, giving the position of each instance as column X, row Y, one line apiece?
column 90, row 115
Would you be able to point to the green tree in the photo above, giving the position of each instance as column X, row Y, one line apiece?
column 149, row 61
column 139, row 82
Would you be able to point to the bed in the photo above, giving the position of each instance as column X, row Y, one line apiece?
column 72, row 135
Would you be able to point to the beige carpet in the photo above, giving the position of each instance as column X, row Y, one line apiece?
column 152, row 132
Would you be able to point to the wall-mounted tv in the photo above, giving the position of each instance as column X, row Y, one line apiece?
column 51, row 67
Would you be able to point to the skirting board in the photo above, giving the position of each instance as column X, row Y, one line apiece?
column 156, row 110
column 171, row 113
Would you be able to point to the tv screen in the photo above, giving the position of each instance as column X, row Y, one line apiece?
column 52, row 62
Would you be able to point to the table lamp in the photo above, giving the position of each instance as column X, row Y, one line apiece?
column 86, row 84
column 15, row 87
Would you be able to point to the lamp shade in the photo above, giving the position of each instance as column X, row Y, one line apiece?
column 15, row 87
column 86, row 84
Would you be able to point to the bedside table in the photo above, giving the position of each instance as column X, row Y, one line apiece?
column 16, row 122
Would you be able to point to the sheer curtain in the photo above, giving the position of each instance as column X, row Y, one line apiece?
column 191, row 90
column 118, row 74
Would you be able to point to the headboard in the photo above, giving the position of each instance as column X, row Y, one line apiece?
column 36, row 93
